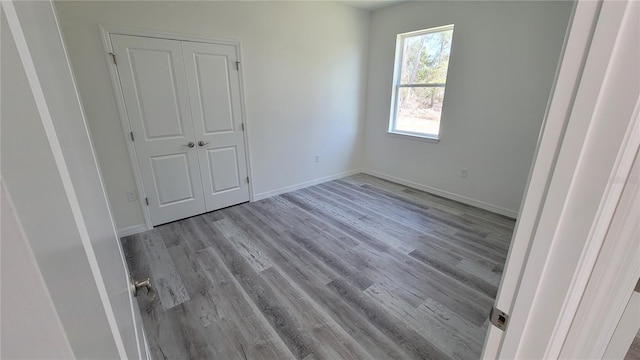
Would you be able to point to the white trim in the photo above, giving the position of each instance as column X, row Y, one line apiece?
column 127, row 278
column 106, row 31
column 615, row 273
column 396, row 85
column 416, row 137
column 132, row 31
column 247, row 148
column 132, row 230
column 446, row 194
column 126, row 127
column 65, row 177
column 626, row 330
column 568, row 73
column 305, row 184
column 426, row 31
column 586, row 159
column 23, row 234
column 598, row 333
column 146, row 345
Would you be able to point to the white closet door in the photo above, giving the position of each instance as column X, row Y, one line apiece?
column 155, row 91
column 214, row 92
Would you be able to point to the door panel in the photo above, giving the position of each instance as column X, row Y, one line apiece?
column 58, row 194
column 156, row 92
column 214, row 93
column 172, row 179
column 626, row 332
column 227, row 160
column 154, row 86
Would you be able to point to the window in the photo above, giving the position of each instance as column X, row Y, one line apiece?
column 420, row 76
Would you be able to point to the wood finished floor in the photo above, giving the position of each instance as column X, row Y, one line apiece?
column 357, row 268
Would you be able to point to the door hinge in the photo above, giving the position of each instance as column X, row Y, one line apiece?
column 113, row 56
column 247, row 179
column 131, row 133
column 146, row 200
column 242, row 126
column 238, row 65
column 499, row 318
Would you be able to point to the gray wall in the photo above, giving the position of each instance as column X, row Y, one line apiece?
column 304, row 66
column 313, row 69
column 501, row 71
column 30, row 174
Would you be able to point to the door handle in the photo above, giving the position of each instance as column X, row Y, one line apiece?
column 146, row 283
column 190, row 144
column 202, row 143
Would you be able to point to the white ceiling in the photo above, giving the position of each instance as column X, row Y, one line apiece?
column 361, row 4
column 371, row 4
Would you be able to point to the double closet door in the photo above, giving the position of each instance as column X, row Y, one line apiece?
column 183, row 104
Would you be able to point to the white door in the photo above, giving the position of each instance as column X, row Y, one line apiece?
column 214, row 92
column 57, row 190
column 626, row 330
column 156, row 98
column 183, row 103
column 564, row 285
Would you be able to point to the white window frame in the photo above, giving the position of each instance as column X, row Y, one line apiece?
column 397, row 71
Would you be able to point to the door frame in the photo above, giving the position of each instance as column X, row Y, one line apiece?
column 35, row 41
column 552, row 212
column 105, row 32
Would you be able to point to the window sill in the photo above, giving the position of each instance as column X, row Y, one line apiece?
column 416, row 137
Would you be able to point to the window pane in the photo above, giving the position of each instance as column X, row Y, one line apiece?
column 425, row 58
column 419, row 109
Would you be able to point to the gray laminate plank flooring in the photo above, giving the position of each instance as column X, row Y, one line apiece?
column 357, row 268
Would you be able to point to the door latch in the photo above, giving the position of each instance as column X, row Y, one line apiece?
column 146, row 283
column 499, row 318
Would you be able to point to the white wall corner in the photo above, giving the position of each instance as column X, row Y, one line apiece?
column 445, row 194
column 302, row 185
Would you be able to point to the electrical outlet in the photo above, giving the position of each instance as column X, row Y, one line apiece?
column 132, row 195
column 317, row 158
column 464, row 173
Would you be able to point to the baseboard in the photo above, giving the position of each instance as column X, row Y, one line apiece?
column 135, row 229
column 445, row 194
column 130, row 230
column 305, row 184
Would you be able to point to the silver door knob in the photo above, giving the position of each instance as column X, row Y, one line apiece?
column 202, row 143
column 146, row 283
column 190, row 144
